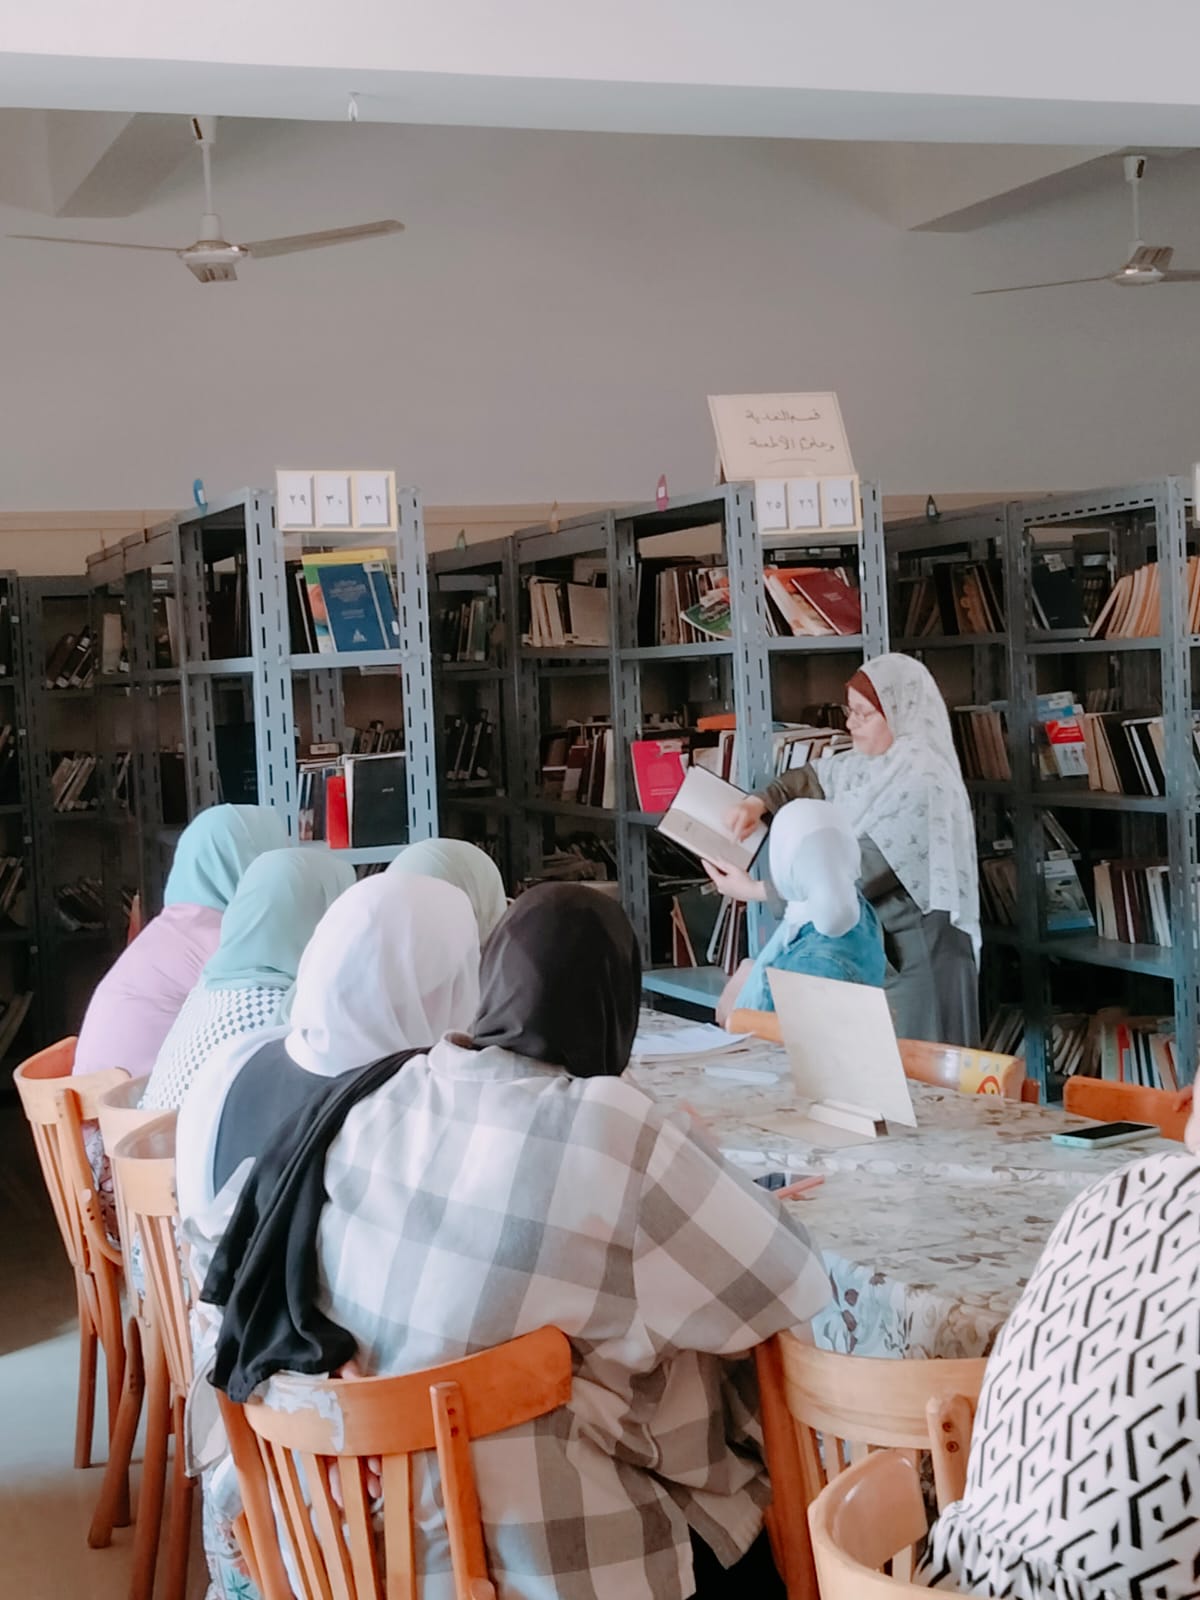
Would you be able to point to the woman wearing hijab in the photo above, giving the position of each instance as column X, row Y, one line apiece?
column 135, row 1003
column 443, row 1202
column 1085, row 1454
column 464, row 865
column 901, row 790
column 245, row 985
column 828, row 929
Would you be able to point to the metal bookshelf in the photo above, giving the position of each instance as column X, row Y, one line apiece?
column 750, row 674
column 260, row 688
column 22, row 964
column 1132, row 525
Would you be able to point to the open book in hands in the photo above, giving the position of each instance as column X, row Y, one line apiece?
column 697, row 821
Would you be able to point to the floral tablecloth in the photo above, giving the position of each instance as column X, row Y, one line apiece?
column 930, row 1233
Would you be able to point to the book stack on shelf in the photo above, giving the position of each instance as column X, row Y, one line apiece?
column 1133, row 901
column 467, row 630
column 1118, row 752
column 682, row 601
column 353, row 801
column 1069, row 597
column 812, row 602
column 1066, row 905
column 73, row 781
column 71, row 663
column 582, row 858
column 981, row 738
column 471, row 753
column 80, row 905
column 343, row 601
column 660, row 764
column 954, row 598
column 1112, row 1044
column 13, row 910
column 577, row 765
column 563, row 612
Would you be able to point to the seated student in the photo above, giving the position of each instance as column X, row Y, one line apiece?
column 464, row 865
column 393, row 964
column 828, row 929
column 508, row 1179
column 246, row 984
column 1085, row 1459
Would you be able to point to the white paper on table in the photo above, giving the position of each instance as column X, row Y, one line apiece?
column 691, row 1039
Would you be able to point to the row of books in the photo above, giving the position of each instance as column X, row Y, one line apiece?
column 1116, row 751
column 72, row 661
column 471, row 750
column 954, row 597
column 1068, row 596
column 1110, row 1044
column 981, row 738
column 466, row 630
column 1134, row 608
column 1066, row 904
column 707, row 929
column 343, row 601
column 1133, row 901
column 562, row 613
column 577, row 765
column 660, row 765
column 353, row 801
column 80, row 905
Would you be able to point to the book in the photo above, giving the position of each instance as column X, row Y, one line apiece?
column 587, row 611
column 831, row 597
column 377, row 799
column 317, row 608
column 359, row 611
column 1067, row 909
column 659, row 768
column 337, row 812
column 696, row 820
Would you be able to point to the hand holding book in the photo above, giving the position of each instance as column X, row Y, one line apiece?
column 743, row 818
column 734, row 883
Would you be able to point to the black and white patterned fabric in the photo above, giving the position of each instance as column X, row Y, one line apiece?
column 208, row 1018
column 1084, row 1479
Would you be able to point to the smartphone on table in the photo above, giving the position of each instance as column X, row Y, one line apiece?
column 1102, row 1134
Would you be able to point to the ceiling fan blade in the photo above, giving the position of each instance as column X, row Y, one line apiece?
column 1150, row 258
column 1059, row 283
column 106, row 244
column 1184, row 275
column 317, row 241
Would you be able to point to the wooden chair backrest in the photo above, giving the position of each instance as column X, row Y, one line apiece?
column 1125, row 1102
column 949, row 1066
column 865, row 1517
column 55, row 1105
column 121, row 1113
column 762, row 1024
column 288, row 1442
column 144, row 1173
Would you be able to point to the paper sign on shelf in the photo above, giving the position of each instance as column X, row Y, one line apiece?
column 794, row 449
column 313, row 501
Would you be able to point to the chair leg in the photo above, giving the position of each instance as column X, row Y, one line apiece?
column 112, row 1337
column 154, row 1473
column 112, row 1508
column 179, row 1535
column 86, row 1404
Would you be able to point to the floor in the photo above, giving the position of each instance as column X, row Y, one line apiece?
column 45, row 1504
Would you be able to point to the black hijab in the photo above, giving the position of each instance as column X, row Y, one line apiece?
column 561, row 980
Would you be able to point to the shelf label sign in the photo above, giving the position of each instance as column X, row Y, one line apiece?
column 794, row 449
column 335, row 502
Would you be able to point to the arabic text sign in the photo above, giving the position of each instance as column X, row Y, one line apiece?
column 780, row 436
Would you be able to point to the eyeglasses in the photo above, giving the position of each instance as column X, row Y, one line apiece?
column 853, row 714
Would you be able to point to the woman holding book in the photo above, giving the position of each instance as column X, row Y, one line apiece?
column 828, row 929
column 901, row 790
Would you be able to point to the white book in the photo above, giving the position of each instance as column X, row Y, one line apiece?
column 697, row 816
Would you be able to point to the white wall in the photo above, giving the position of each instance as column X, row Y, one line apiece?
column 550, row 324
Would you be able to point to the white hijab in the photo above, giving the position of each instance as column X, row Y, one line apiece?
column 816, row 863
column 393, row 965
column 911, row 800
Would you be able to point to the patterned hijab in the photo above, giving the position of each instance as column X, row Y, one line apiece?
column 911, row 800
column 561, row 981
column 215, row 849
column 275, row 908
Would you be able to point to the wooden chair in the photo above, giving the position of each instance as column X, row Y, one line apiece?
column 821, row 1411
column 1125, row 1102
column 294, row 1436
column 870, row 1514
column 969, row 1071
column 56, row 1105
column 120, row 1114
column 144, row 1173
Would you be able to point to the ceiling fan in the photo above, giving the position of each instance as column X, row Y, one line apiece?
column 212, row 259
column 1147, row 263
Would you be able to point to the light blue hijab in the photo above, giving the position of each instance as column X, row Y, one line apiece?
column 214, row 851
column 281, row 898
column 465, row 866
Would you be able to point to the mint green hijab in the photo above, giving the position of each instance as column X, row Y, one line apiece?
column 214, row 851
column 464, row 865
column 281, row 898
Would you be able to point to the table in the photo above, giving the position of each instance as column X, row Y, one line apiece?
column 930, row 1234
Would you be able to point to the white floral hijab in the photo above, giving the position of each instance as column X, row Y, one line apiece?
column 911, row 800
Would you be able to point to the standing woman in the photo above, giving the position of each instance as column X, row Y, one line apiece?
column 246, row 985
column 139, row 997
column 901, row 790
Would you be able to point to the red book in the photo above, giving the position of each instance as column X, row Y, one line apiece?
column 337, row 813
column 658, row 769
column 830, row 596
